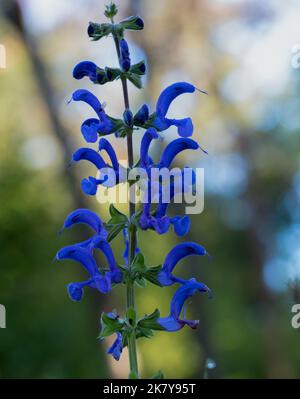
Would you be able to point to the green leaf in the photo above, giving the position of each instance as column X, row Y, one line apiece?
column 150, row 321
column 158, row 376
column 109, row 325
column 114, row 230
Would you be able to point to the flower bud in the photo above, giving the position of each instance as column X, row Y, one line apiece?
column 133, row 23
column 141, row 116
column 110, row 10
column 139, row 69
column 128, row 117
column 124, row 55
column 97, row 31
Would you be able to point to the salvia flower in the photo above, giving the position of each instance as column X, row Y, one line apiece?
column 173, row 322
column 90, row 70
column 179, row 252
column 161, row 122
column 91, row 127
column 83, row 253
column 109, row 175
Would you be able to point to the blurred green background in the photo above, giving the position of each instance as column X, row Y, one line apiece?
column 241, row 52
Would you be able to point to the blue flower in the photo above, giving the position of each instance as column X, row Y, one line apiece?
column 173, row 322
column 91, row 70
column 161, row 122
column 124, row 55
column 85, row 216
column 110, row 175
column 83, row 253
column 116, row 349
column 179, row 252
column 92, row 126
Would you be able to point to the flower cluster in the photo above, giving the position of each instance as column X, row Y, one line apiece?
column 104, row 277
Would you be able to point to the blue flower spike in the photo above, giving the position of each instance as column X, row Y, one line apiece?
column 105, row 275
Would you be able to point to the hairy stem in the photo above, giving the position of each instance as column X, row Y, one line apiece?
column 132, row 233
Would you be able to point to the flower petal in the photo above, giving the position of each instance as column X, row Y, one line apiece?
column 174, row 148
column 84, row 216
column 81, row 255
column 116, row 349
column 88, row 154
column 179, row 252
column 173, row 322
column 105, row 145
column 89, row 130
column 85, row 68
column 89, row 98
column 181, row 225
column 148, row 136
column 169, row 94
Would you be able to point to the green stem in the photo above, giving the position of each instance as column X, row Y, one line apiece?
column 132, row 234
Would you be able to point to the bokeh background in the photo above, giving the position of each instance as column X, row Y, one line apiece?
column 241, row 52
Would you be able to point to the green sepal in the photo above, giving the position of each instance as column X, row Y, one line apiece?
column 116, row 215
column 150, row 121
column 141, row 282
column 150, row 321
column 139, row 68
column 98, row 31
column 134, row 79
column 133, row 23
column 101, row 76
column 109, row 326
column 118, row 31
column 112, row 73
column 111, row 10
column 158, row 376
column 151, row 275
column 141, row 332
column 131, row 316
column 141, row 272
column 118, row 123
